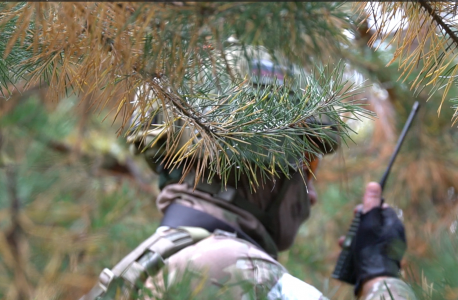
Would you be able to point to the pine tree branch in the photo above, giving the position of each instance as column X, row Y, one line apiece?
column 15, row 233
column 186, row 110
column 247, row 133
column 424, row 37
column 108, row 163
column 439, row 21
column 231, row 123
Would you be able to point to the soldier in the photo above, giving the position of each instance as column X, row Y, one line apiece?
column 244, row 230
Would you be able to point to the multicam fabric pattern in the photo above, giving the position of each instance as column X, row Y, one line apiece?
column 223, row 262
column 291, row 288
column 390, row 288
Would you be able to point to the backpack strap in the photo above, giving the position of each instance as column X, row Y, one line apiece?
column 145, row 260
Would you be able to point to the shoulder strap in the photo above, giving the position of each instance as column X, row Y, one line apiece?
column 145, row 260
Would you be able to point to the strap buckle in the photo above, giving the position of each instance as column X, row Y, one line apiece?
column 105, row 278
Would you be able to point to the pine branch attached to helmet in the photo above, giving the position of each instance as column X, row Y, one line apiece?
column 218, row 126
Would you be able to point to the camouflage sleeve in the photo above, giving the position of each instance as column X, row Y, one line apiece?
column 390, row 288
column 289, row 287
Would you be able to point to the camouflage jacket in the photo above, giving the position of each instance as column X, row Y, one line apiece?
column 233, row 268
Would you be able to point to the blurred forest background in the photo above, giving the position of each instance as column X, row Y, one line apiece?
column 73, row 200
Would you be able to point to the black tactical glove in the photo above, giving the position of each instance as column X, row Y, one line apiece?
column 378, row 246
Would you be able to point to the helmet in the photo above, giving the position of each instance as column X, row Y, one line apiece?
column 251, row 64
column 260, row 67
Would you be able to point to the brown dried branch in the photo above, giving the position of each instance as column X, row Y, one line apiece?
column 440, row 21
column 109, row 163
column 14, row 237
column 425, row 37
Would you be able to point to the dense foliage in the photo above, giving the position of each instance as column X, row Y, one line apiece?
column 73, row 200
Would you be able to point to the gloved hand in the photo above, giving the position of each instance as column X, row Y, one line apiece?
column 380, row 241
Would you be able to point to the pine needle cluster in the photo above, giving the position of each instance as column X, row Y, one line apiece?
column 424, row 34
column 244, row 129
column 179, row 51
